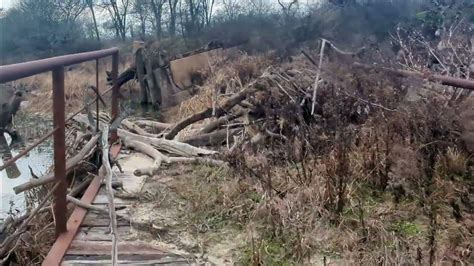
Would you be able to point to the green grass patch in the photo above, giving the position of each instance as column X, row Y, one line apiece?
column 405, row 229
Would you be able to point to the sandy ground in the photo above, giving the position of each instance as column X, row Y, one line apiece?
column 161, row 206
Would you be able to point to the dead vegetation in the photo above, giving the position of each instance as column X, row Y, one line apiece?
column 373, row 177
column 381, row 173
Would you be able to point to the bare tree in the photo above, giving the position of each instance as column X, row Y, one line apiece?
column 258, row 7
column 207, row 7
column 232, row 8
column 90, row 4
column 118, row 13
column 287, row 8
column 70, row 9
column 157, row 8
column 173, row 4
column 198, row 15
column 140, row 9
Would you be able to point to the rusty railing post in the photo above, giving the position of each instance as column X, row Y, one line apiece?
column 115, row 93
column 59, row 204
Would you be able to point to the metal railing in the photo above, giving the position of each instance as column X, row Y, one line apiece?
column 56, row 66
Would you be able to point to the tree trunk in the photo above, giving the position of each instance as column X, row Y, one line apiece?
column 157, row 9
column 172, row 27
column 96, row 28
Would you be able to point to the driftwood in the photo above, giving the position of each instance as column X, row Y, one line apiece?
column 110, row 194
column 147, row 149
column 223, row 109
column 70, row 165
column 214, row 138
column 213, row 125
column 170, row 146
column 156, row 126
column 159, row 158
column 136, row 129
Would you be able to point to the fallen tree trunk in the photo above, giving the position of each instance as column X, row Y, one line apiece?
column 229, row 104
column 214, row 138
column 136, row 129
column 173, row 147
column 156, row 126
column 158, row 158
column 213, row 125
column 147, row 149
column 70, row 165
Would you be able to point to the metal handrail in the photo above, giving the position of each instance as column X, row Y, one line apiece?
column 56, row 65
column 26, row 69
column 35, row 144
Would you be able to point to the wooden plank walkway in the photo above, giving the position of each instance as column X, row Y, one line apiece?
column 92, row 244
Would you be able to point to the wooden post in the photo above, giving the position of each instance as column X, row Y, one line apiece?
column 144, row 99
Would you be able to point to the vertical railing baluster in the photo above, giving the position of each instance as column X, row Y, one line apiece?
column 59, row 204
column 97, row 108
column 97, row 93
column 115, row 94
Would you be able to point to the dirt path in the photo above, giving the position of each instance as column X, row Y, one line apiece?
column 162, row 204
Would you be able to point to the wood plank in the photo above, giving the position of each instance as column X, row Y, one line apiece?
column 102, row 219
column 154, row 259
column 63, row 241
column 101, row 198
column 101, row 233
column 105, row 247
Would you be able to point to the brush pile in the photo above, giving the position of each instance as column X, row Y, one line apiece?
column 29, row 235
column 381, row 173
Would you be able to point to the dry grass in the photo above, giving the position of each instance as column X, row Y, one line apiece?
column 357, row 184
column 77, row 80
column 228, row 74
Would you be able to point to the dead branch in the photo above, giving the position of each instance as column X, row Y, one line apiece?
column 136, row 129
column 5, row 247
column 70, row 165
column 147, row 149
column 171, row 146
column 213, row 125
column 110, row 193
column 159, row 158
column 156, row 126
column 81, row 204
column 229, row 104
column 318, row 74
column 214, row 138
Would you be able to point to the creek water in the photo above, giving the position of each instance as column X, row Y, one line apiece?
column 39, row 159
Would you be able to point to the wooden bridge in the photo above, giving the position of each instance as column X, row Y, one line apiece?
column 83, row 238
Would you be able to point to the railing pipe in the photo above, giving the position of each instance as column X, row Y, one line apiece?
column 23, row 70
column 56, row 65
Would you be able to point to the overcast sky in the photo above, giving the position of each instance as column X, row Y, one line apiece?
column 6, row 3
